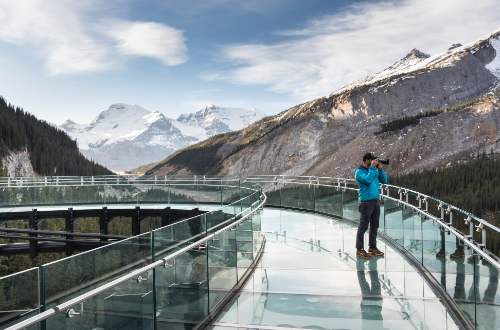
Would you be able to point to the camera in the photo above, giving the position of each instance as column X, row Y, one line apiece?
column 384, row 161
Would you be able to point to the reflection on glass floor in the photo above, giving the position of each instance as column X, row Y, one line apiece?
column 308, row 277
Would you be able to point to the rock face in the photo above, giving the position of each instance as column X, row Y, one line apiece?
column 18, row 163
column 126, row 136
column 451, row 101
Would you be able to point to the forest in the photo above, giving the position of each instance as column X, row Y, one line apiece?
column 472, row 185
column 52, row 152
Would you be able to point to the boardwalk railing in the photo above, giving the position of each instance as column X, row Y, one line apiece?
column 147, row 286
column 179, row 274
column 450, row 246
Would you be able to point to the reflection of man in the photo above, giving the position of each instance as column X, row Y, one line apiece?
column 188, row 292
column 491, row 290
column 368, row 176
column 488, row 308
column 371, row 297
column 459, row 294
column 459, row 251
column 458, row 254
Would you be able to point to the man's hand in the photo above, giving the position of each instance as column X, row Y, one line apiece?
column 374, row 163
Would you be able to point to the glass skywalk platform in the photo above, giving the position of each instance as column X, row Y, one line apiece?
column 309, row 277
column 272, row 252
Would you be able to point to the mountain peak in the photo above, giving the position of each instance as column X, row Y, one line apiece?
column 70, row 125
column 415, row 53
column 119, row 106
column 151, row 134
column 68, row 122
column 209, row 106
column 124, row 107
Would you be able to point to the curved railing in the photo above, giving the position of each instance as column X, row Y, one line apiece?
column 447, row 244
column 131, row 283
column 451, row 247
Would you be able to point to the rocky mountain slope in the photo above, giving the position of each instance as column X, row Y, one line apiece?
column 422, row 112
column 127, row 136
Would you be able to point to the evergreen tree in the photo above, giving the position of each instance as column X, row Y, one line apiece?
column 52, row 151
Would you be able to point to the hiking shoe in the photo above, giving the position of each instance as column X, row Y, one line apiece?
column 362, row 254
column 458, row 254
column 441, row 254
column 374, row 252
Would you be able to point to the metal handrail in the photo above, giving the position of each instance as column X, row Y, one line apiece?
column 103, row 179
column 162, row 262
column 338, row 183
column 158, row 180
column 296, row 179
column 243, row 214
column 478, row 247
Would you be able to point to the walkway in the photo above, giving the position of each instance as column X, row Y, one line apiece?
column 309, row 278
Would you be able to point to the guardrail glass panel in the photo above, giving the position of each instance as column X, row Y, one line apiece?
column 350, row 205
column 274, row 195
column 300, row 196
column 19, row 295
column 222, row 273
column 328, row 200
column 412, row 232
column 493, row 239
column 210, row 192
column 152, row 193
column 460, row 280
column 257, row 220
column 128, row 305
column 244, row 246
column 487, row 297
column 215, row 219
column 434, row 250
column 182, row 194
column 393, row 220
column 181, row 288
column 188, row 231
column 87, row 194
column 66, row 278
column 120, row 194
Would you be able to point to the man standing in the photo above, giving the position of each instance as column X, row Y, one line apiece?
column 368, row 176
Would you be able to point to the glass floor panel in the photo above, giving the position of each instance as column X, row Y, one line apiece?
column 309, row 277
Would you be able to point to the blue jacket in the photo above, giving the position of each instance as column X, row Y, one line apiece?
column 368, row 180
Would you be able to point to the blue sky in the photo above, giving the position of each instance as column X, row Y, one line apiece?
column 63, row 59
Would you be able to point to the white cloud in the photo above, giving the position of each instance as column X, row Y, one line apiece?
column 334, row 50
column 73, row 36
column 149, row 39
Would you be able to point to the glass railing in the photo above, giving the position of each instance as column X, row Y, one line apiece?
column 179, row 274
column 454, row 249
column 64, row 191
column 173, row 275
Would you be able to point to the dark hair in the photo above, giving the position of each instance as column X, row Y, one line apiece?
column 368, row 156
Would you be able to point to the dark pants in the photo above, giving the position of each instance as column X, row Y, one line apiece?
column 370, row 214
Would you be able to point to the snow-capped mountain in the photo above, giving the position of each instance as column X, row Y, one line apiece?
column 211, row 120
column 126, row 136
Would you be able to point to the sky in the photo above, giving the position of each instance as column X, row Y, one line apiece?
column 66, row 59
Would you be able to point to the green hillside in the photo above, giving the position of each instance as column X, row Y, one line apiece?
column 51, row 151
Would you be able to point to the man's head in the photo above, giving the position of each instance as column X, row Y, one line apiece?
column 367, row 159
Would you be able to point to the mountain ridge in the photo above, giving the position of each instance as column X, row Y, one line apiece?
column 126, row 136
column 309, row 138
